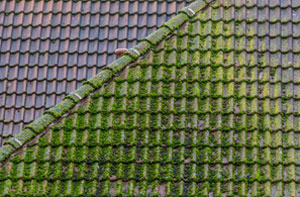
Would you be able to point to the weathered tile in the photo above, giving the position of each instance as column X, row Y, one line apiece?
column 212, row 110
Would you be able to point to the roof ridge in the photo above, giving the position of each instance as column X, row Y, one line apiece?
column 38, row 126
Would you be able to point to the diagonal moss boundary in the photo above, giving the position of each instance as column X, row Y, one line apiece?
column 39, row 126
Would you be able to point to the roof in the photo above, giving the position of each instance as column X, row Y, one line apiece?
column 208, row 104
column 49, row 48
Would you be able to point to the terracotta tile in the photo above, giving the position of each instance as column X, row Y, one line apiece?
column 2, row 96
column 295, row 15
column 60, row 87
column 45, row 33
column 296, row 4
column 31, row 89
column 4, row 59
column 76, row 7
column 27, row 19
column 10, row 6
column 51, row 87
column 1, row 115
column 40, row 101
column 161, row 19
column 3, row 72
column 63, row 59
column 10, row 102
column 114, row 8
column 110, row 58
column 263, row 29
column 133, row 7
column 54, row 46
column 132, row 33
column 18, row 19
column 74, row 46
column 296, row 30
column 75, row 20
column 65, row 19
column 66, row 7
column 92, row 60
column 91, row 72
column 24, row 59
column 53, row 59
column 59, row 98
column 143, row 32
column 72, row 59
column 17, row 128
column 59, row 73
column 36, row 33
column 2, row 6
column 113, row 33
column 38, row 6
column 171, row 8
column 296, row 45
column 47, row 19
column 143, row 7
column 20, row 101
column 274, row 29
column 57, row 7
column 33, row 59
column 71, row 85
column 9, row 113
column 6, row 33
column 274, row 3
column 18, row 115
column 75, row 33
column 286, row 15
column 274, row 15
column 95, row 20
column 42, row 73
column 7, row 129
column 49, row 53
column 21, row 87
column 28, row 115
column 56, row 19
column 6, row 46
column 82, row 59
column 50, row 100
column 38, row 113
column 124, row 7
column 95, row 7
column 65, row 33
column 262, row 3
column 104, row 20
column 84, row 33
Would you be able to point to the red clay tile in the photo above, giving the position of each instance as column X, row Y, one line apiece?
column 45, row 41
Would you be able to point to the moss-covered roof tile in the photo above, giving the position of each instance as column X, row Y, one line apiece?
column 212, row 109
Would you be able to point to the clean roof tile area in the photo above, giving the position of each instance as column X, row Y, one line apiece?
column 48, row 48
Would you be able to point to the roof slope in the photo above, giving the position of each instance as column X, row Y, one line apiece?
column 48, row 48
column 212, row 110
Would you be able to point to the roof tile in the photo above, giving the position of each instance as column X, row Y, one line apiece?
column 238, row 93
column 269, row 55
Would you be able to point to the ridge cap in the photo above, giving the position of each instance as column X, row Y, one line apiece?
column 41, row 125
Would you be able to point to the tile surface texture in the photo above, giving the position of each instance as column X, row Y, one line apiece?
column 48, row 48
column 213, row 110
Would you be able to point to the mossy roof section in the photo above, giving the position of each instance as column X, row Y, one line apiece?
column 48, row 48
column 212, row 110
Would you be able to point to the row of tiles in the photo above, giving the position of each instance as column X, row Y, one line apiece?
column 88, row 19
column 70, row 47
column 105, row 6
column 92, row 7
